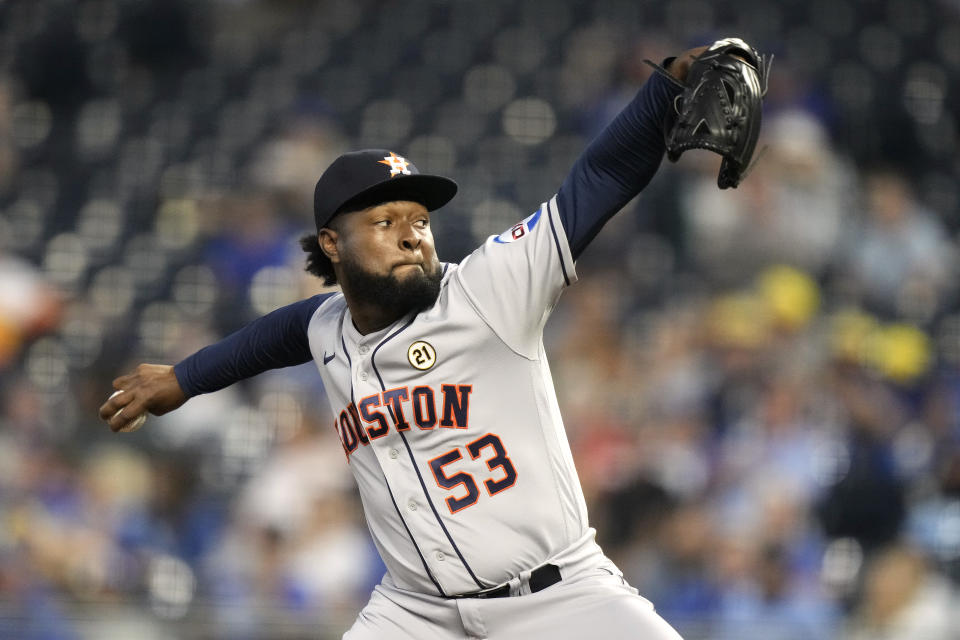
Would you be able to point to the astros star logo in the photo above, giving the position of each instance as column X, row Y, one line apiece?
column 397, row 164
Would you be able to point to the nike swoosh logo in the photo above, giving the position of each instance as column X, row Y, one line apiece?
column 327, row 359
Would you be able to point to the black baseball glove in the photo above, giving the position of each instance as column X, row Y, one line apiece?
column 720, row 107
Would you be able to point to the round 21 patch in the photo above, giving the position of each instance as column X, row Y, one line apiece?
column 422, row 355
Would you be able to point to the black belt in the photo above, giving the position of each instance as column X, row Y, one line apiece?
column 540, row 578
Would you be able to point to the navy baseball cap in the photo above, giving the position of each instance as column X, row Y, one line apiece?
column 369, row 177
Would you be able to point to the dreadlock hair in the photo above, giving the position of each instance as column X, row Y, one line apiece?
column 318, row 263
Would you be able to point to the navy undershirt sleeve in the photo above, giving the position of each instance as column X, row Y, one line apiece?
column 616, row 165
column 278, row 339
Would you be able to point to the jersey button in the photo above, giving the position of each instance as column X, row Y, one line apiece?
column 363, row 376
column 441, row 556
column 394, row 453
column 363, row 349
column 412, row 505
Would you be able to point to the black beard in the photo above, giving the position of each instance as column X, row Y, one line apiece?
column 414, row 293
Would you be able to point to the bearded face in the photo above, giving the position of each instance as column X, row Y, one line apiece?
column 406, row 289
column 385, row 261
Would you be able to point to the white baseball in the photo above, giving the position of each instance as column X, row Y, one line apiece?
column 137, row 422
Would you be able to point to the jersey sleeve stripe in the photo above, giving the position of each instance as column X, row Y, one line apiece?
column 552, row 213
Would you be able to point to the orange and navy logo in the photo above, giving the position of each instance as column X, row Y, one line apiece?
column 397, row 164
column 520, row 229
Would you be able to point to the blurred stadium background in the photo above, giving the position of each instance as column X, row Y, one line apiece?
column 761, row 386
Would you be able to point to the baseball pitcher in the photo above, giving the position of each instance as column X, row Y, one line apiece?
column 441, row 392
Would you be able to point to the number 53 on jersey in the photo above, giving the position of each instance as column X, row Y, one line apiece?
column 503, row 474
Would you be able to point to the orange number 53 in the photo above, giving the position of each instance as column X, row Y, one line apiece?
column 504, row 473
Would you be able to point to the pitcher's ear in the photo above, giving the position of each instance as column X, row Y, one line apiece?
column 327, row 239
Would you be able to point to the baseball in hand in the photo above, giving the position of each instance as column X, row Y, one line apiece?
column 137, row 422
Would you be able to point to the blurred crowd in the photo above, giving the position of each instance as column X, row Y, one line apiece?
column 761, row 386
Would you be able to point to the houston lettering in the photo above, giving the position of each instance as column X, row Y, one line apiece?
column 403, row 409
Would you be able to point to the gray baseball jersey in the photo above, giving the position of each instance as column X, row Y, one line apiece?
column 450, row 422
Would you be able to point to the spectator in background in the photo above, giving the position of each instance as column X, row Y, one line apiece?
column 769, row 602
column 789, row 210
column 904, row 599
column 934, row 520
column 236, row 252
column 897, row 254
column 678, row 574
column 29, row 306
column 297, row 539
column 304, row 495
